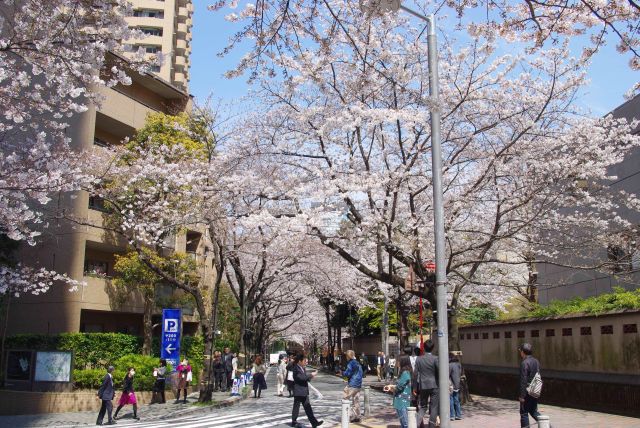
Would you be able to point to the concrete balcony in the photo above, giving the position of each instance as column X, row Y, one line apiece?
column 179, row 78
column 183, row 12
column 182, row 28
column 150, row 40
column 150, row 4
column 181, row 44
column 143, row 21
column 180, row 60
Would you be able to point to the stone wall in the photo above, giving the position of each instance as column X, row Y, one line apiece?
column 590, row 362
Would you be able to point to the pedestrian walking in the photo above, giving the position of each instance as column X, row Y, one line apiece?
column 364, row 362
column 402, row 391
column 259, row 382
column 227, row 360
column 426, row 375
column 185, row 376
column 455, row 372
column 353, row 374
column 301, row 392
column 391, row 368
column 220, row 381
column 159, row 373
column 106, row 394
column 282, row 374
column 128, row 394
column 380, row 363
column 290, row 380
column 529, row 367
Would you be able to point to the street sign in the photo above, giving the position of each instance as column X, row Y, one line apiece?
column 171, row 328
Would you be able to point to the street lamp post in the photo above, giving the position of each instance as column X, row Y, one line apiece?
column 436, row 159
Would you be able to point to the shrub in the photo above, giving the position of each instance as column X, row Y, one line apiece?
column 88, row 379
column 618, row 300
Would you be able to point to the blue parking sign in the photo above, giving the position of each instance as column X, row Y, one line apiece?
column 171, row 323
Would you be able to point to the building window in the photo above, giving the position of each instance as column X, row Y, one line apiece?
column 476, row 336
column 461, row 336
column 567, row 332
column 496, row 335
column 151, row 31
column 98, row 204
column 630, row 328
column 507, row 335
column 97, row 268
column 485, row 335
column 520, row 333
column 535, row 333
column 468, row 336
column 148, row 13
column 155, row 68
column 585, row 331
column 606, row 329
column 550, row 332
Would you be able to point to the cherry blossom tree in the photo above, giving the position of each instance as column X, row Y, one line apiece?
column 347, row 126
column 52, row 61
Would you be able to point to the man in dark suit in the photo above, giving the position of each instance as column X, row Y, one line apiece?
column 426, row 380
column 106, row 394
column 301, row 392
column 528, row 369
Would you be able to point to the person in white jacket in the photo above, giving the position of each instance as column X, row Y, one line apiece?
column 282, row 374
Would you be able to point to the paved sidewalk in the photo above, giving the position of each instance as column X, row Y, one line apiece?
column 146, row 412
column 499, row 413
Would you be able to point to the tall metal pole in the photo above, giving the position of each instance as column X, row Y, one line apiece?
column 441, row 274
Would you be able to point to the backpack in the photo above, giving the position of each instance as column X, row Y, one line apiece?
column 535, row 387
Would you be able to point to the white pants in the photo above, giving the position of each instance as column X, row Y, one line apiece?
column 280, row 386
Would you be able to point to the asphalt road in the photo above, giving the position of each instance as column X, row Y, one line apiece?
column 269, row 410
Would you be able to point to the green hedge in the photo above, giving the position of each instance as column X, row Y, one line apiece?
column 143, row 380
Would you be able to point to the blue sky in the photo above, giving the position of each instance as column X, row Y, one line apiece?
column 610, row 74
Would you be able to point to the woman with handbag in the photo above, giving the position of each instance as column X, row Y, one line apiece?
column 128, row 394
column 159, row 386
column 184, row 377
column 402, row 391
column 290, row 380
column 259, row 382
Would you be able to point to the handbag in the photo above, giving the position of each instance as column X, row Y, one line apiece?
column 189, row 376
column 535, row 387
column 290, row 376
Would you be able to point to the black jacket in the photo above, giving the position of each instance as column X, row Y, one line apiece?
column 218, row 366
column 127, row 384
column 528, row 369
column 227, row 361
column 300, row 382
column 106, row 391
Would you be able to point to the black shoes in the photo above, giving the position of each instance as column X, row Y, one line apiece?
column 318, row 424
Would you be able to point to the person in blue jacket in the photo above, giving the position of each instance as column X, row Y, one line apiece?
column 353, row 374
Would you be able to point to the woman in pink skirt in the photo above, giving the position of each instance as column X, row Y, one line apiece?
column 128, row 395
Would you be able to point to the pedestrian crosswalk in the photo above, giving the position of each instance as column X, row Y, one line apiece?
column 269, row 411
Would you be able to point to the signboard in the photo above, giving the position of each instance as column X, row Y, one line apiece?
column 171, row 328
column 54, row 366
column 19, row 365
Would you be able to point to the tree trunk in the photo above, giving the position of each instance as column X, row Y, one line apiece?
column 147, row 325
column 403, row 328
column 454, row 335
column 207, row 380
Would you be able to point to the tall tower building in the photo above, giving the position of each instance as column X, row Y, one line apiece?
column 167, row 27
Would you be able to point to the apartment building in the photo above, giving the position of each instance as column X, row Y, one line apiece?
column 558, row 283
column 87, row 253
column 166, row 25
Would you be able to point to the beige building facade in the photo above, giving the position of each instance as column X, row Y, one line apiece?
column 84, row 250
column 166, row 26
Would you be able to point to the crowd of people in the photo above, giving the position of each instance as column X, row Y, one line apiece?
column 415, row 373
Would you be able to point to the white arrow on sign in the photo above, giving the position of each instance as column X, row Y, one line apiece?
column 170, row 348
